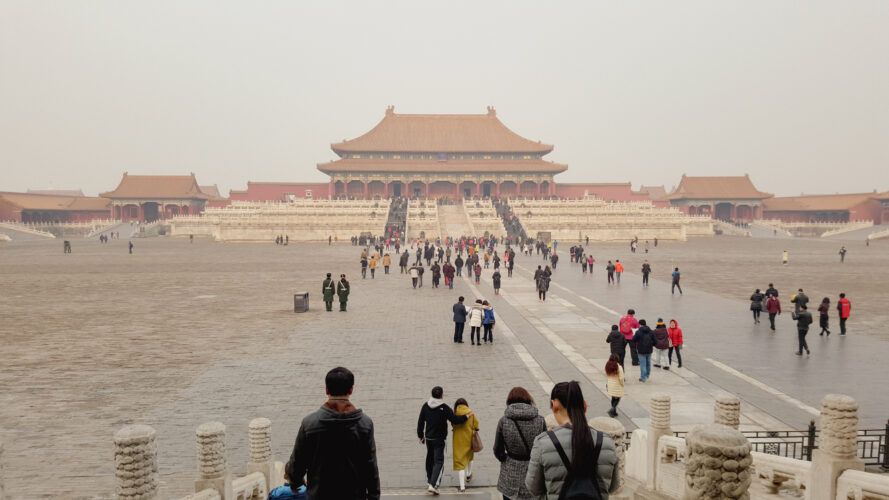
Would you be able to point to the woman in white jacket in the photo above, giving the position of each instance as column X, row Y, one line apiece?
column 475, row 317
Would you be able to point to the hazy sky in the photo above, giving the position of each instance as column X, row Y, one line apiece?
column 794, row 93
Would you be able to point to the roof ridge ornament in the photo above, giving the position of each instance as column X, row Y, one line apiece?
column 390, row 110
column 491, row 111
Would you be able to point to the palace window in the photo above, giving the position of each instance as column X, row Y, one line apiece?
column 486, row 157
column 396, row 157
column 527, row 157
column 442, row 156
column 356, row 156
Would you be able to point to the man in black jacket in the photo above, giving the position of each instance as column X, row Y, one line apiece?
column 459, row 320
column 644, row 340
column 335, row 447
column 803, row 320
column 432, row 429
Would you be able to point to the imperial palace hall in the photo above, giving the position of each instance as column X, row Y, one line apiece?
column 441, row 156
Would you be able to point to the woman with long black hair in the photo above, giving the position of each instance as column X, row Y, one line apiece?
column 547, row 472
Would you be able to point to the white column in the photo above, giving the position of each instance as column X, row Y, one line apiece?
column 135, row 463
column 212, row 465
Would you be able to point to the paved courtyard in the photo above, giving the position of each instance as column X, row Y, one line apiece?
column 178, row 334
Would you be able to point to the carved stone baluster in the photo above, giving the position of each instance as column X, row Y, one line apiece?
column 135, row 463
column 212, row 463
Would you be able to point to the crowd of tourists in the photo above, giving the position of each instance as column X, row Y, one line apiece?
column 335, row 457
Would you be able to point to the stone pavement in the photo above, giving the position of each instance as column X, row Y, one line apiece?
column 723, row 350
column 178, row 334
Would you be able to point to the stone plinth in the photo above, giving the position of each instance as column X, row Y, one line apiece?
column 212, row 465
column 261, row 459
column 612, row 428
column 727, row 411
column 717, row 463
column 659, row 426
column 135, row 463
column 837, row 446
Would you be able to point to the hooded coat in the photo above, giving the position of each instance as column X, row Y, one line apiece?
column 617, row 341
column 476, row 315
column 512, row 452
column 661, row 337
column 644, row 340
column 434, row 418
column 675, row 334
column 335, row 454
column 462, row 439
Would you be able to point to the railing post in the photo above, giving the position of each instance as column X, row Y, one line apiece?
column 135, row 462
column 212, row 466
column 810, row 441
column 885, row 464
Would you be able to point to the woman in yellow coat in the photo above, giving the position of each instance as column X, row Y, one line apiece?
column 462, row 440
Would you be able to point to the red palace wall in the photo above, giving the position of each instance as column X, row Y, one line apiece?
column 607, row 192
column 864, row 211
column 8, row 212
column 279, row 191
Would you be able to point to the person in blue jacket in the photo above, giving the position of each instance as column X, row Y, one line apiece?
column 488, row 322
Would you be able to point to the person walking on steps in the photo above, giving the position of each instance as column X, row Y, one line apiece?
column 675, row 343
column 803, row 320
column 516, row 430
column 773, row 307
column 615, row 383
column 844, row 310
column 432, row 430
column 823, row 320
column 675, row 277
column 573, row 446
column 756, row 305
column 462, row 443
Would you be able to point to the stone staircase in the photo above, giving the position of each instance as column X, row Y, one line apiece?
column 453, row 221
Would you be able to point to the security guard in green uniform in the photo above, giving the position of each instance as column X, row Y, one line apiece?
column 328, row 290
column 342, row 291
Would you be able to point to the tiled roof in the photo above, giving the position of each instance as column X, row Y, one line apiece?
column 157, row 187
column 435, row 166
column 57, row 192
column 441, row 134
column 654, row 192
column 816, row 203
column 31, row 201
column 211, row 191
column 881, row 196
column 716, row 188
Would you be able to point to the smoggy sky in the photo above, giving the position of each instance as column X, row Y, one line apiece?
column 795, row 93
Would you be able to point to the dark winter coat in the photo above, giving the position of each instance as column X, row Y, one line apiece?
column 342, row 290
column 459, row 313
column 803, row 320
column 773, row 306
column 800, row 300
column 513, row 452
column 336, row 454
column 617, row 341
column 661, row 337
column 756, row 301
column 496, row 279
column 644, row 339
column 434, row 418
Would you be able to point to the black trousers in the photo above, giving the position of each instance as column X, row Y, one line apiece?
column 458, row 331
column 614, row 402
column 644, row 278
column 489, row 334
column 675, row 286
column 678, row 355
column 541, row 294
column 803, row 345
column 434, row 460
column 756, row 314
column 634, row 356
column 772, row 320
column 843, row 325
column 475, row 333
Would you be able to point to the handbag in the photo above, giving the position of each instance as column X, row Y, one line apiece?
column 476, row 445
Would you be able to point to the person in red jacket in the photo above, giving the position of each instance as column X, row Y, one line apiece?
column 773, row 306
column 628, row 326
column 844, row 307
column 675, row 342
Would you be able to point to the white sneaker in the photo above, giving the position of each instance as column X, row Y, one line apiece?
column 432, row 490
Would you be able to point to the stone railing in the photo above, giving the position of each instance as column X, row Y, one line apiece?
column 777, row 473
column 135, row 459
column 17, row 226
column 858, row 485
column 849, row 227
column 878, row 235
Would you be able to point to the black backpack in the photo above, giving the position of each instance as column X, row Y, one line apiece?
column 579, row 487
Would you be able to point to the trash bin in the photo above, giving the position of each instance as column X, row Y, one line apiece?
column 300, row 302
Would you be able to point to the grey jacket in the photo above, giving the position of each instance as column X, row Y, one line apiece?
column 547, row 473
column 510, row 450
